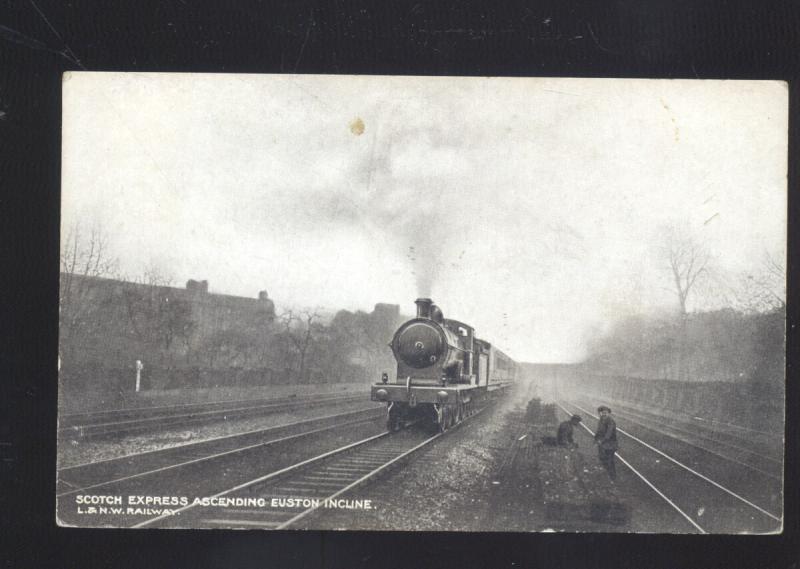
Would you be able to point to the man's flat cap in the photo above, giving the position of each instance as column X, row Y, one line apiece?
column 603, row 408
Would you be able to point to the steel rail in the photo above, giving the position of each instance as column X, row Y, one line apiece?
column 304, row 463
column 374, row 473
column 219, row 454
column 639, row 421
column 122, row 410
column 691, row 470
column 769, row 434
column 644, row 415
column 264, row 478
column 645, row 480
column 130, row 424
column 212, row 439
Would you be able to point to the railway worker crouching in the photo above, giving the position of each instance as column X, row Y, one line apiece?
column 565, row 431
column 606, row 439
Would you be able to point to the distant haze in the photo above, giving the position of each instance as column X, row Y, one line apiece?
column 528, row 208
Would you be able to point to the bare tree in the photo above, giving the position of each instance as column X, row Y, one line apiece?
column 84, row 258
column 300, row 328
column 230, row 347
column 157, row 316
column 688, row 259
column 353, row 329
column 141, row 298
column 763, row 290
column 364, row 339
column 174, row 320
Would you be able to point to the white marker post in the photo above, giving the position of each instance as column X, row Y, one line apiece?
column 139, row 368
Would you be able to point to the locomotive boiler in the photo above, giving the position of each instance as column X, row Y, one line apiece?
column 443, row 373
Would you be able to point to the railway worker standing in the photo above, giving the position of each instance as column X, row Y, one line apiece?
column 606, row 439
column 565, row 430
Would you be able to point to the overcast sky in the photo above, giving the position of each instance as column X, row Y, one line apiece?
column 529, row 208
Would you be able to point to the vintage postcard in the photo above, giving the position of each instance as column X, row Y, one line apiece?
column 422, row 303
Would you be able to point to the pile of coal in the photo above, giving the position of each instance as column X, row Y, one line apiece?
column 533, row 411
column 548, row 414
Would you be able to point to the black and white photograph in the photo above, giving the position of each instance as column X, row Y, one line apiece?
column 463, row 304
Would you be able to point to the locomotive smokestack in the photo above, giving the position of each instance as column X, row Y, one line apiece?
column 423, row 307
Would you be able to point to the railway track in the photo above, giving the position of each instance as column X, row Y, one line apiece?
column 761, row 444
column 94, row 475
column 712, row 492
column 744, row 453
column 285, row 497
column 90, row 417
column 126, row 421
column 205, row 466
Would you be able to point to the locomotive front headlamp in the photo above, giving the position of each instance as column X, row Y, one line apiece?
column 381, row 395
column 442, row 395
column 385, row 377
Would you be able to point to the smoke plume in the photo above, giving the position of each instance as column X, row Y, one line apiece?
column 393, row 196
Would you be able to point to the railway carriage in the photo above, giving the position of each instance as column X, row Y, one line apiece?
column 443, row 371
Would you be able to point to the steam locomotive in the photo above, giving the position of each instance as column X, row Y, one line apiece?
column 443, row 371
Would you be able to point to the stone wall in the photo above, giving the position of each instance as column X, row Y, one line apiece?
column 747, row 404
column 757, row 404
